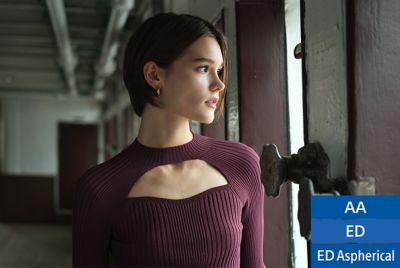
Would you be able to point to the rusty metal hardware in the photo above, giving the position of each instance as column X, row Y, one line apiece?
column 309, row 169
column 306, row 190
column 298, row 51
column 310, row 162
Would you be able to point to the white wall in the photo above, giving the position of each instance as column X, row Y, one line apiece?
column 295, row 99
column 30, row 130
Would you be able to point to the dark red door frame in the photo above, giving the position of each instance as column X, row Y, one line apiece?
column 374, row 61
column 263, row 106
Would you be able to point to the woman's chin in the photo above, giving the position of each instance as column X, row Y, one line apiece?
column 206, row 120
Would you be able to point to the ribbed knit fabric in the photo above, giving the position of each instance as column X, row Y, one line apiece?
column 220, row 227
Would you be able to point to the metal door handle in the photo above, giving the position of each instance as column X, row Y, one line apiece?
column 311, row 162
column 309, row 169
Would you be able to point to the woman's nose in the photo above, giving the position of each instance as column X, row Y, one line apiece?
column 217, row 84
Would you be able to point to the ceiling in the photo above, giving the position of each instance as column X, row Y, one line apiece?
column 71, row 47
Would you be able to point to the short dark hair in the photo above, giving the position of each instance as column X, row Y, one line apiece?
column 162, row 39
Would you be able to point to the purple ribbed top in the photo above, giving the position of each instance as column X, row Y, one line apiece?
column 220, row 227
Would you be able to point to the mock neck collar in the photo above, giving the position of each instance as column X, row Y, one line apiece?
column 147, row 156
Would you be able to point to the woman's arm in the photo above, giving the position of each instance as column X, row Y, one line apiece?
column 253, row 217
column 90, row 231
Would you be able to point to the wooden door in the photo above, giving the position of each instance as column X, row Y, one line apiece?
column 263, row 107
column 77, row 151
column 374, row 93
column 352, row 52
column 351, row 62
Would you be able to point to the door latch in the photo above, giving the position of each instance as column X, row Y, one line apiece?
column 308, row 168
column 310, row 162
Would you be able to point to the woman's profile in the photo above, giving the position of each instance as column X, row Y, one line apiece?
column 172, row 198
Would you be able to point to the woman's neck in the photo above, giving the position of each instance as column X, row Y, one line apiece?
column 159, row 129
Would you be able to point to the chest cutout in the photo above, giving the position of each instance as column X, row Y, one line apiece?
column 178, row 180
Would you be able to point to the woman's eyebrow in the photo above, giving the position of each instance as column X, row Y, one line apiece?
column 206, row 60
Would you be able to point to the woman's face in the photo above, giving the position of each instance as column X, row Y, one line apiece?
column 192, row 80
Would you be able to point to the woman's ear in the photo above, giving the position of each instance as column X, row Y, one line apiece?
column 152, row 74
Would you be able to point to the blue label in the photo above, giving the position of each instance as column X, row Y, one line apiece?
column 355, row 231
column 355, row 207
column 355, row 255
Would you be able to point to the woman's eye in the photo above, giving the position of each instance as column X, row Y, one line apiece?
column 220, row 72
column 203, row 69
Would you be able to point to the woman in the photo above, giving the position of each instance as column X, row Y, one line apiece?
column 173, row 198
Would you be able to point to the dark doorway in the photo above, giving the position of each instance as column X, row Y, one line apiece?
column 77, row 151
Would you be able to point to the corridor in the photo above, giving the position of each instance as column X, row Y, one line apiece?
column 35, row 245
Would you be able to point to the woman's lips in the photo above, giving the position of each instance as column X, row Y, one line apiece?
column 212, row 103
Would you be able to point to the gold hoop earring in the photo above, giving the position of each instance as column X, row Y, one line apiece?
column 158, row 91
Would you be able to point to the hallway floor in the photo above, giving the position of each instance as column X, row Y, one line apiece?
column 35, row 245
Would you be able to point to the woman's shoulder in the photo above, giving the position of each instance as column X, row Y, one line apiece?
column 103, row 173
column 235, row 150
column 242, row 163
column 242, row 160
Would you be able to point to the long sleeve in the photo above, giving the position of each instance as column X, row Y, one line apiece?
column 90, row 231
column 253, row 217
